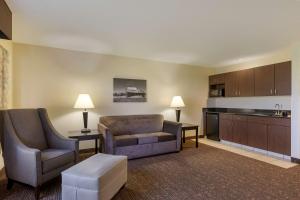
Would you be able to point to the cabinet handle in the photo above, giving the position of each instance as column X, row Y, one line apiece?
column 239, row 93
column 271, row 91
column 275, row 91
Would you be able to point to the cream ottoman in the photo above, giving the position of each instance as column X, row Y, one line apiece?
column 98, row 177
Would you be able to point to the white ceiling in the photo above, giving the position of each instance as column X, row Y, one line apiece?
column 198, row 32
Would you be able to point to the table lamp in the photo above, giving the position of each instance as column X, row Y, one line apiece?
column 177, row 103
column 85, row 102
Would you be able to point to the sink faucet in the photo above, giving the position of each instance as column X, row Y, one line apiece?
column 278, row 107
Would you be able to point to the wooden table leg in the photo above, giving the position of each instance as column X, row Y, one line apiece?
column 96, row 146
column 181, row 143
column 197, row 137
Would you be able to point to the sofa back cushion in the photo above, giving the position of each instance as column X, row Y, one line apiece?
column 132, row 124
column 28, row 127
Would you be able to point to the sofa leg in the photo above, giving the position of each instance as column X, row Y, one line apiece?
column 37, row 192
column 10, row 184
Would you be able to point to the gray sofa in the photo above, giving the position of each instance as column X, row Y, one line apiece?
column 32, row 149
column 139, row 135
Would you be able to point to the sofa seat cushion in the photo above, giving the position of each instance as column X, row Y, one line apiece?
column 163, row 136
column 55, row 158
column 146, row 138
column 125, row 140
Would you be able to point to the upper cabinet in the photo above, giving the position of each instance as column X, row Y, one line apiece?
column 216, row 79
column 231, row 84
column 5, row 21
column 283, row 73
column 246, row 83
column 240, row 83
column 270, row 80
column 264, row 80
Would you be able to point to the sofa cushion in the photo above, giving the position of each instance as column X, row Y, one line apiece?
column 163, row 136
column 125, row 140
column 133, row 124
column 146, row 138
column 28, row 127
column 55, row 158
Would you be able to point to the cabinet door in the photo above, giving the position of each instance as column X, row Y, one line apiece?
column 231, row 84
column 225, row 127
column 246, row 83
column 264, row 81
column 283, row 77
column 257, row 133
column 5, row 21
column 216, row 79
column 279, row 138
column 239, row 130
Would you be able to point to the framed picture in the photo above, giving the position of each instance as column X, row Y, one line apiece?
column 129, row 90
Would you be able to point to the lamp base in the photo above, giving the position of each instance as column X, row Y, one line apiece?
column 85, row 130
column 178, row 115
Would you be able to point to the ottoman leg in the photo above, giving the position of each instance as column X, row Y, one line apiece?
column 37, row 192
column 10, row 184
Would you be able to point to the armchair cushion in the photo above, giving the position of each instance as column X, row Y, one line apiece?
column 55, row 158
column 28, row 127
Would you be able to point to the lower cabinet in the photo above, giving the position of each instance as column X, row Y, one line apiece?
column 267, row 133
column 279, row 137
column 239, row 129
column 257, row 133
column 225, row 127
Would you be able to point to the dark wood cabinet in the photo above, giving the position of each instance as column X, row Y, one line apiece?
column 217, row 79
column 5, row 21
column 279, row 136
column 257, row 133
column 267, row 133
column 225, row 127
column 239, row 129
column 283, row 77
column 264, row 81
column 245, row 83
column 269, row 80
column 231, row 84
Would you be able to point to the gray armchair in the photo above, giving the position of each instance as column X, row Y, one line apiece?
column 34, row 152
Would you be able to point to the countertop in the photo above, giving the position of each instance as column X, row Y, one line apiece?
column 248, row 112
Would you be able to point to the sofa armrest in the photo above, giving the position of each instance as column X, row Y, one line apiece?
column 173, row 128
column 22, row 163
column 108, row 138
column 55, row 139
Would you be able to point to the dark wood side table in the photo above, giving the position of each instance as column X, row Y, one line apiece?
column 186, row 127
column 93, row 135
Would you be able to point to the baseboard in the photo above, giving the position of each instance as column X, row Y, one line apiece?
column 194, row 137
column 295, row 160
column 90, row 150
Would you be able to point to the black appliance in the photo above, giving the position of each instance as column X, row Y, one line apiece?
column 212, row 126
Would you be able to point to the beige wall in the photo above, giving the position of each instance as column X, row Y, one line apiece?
column 52, row 78
column 254, row 102
column 8, row 45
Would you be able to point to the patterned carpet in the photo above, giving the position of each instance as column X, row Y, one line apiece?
column 203, row 173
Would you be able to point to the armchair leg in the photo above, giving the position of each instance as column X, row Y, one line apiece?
column 10, row 184
column 37, row 192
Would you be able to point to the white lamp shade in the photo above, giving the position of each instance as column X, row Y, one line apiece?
column 177, row 102
column 84, row 101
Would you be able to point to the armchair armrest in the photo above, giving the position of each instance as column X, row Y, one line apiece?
column 173, row 128
column 22, row 163
column 55, row 139
column 108, row 138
